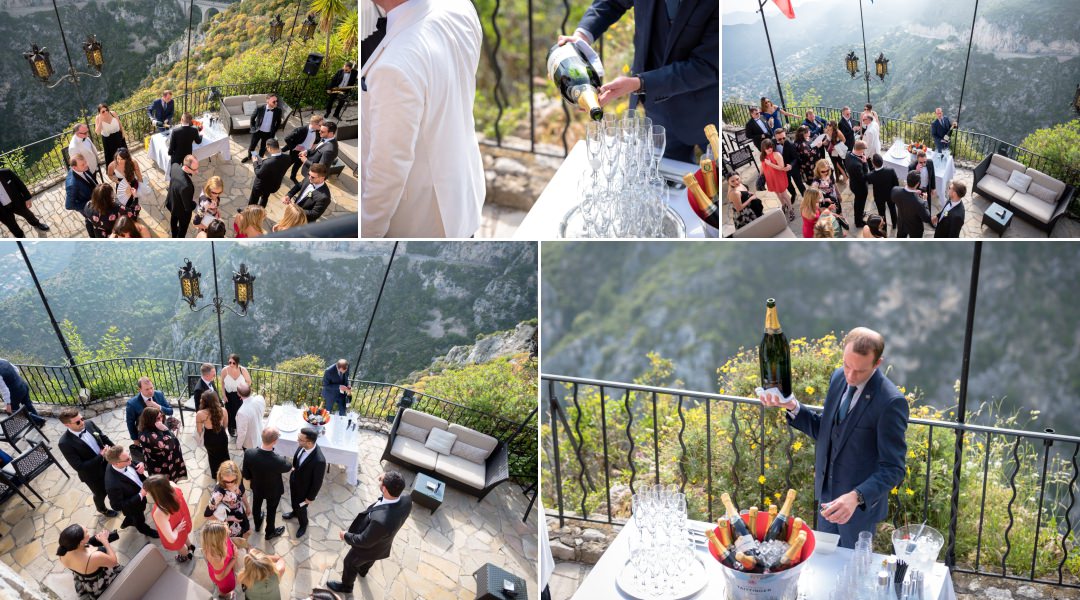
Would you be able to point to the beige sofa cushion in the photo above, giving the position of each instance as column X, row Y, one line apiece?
column 1045, row 187
column 423, row 420
column 474, row 438
column 149, row 576
column 1009, row 165
column 412, row 432
column 1033, row 206
column 997, row 172
column 440, row 441
column 470, row 453
column 460, row 469
column 772, row 224
column 414, row 452
column 995, row 188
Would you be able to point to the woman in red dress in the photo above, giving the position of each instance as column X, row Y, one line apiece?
column 776, row 175
column 171, row 516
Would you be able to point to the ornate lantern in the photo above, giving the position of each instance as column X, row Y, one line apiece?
column 276, row 27
column 39, row 62
column 881, row 66
column 852, row 64
column 243, row 287
column 189, row 283
column 307, row 28
column 94, row 56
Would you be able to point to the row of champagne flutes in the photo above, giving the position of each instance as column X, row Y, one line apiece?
column 661, row 552
column 622, row 192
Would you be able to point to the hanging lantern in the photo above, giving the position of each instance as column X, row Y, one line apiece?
column 852, row 64
column 243, row 287
column 307, row 28
column 94, row 56
column 39, row 62
column 881, row 66
column 189, row 283
column 276, row 27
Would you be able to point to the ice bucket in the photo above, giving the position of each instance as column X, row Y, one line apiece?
column 765, row 586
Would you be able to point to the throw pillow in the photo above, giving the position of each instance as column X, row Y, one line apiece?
column 997, row 172
column 1019, row 181
column 469, row 452
column 441, row 441
column 1045, row 194
column 249, row 107
column 412, row 432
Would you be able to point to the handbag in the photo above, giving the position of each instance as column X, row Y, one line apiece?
column 761, row 182
column 840, row 150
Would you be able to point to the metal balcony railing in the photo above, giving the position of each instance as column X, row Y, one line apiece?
column 104, row 379
column 604, row 440
column 965, row 145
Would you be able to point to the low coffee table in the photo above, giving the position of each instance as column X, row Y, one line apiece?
column 428, row 492
column 997, row 218
column 490, row 582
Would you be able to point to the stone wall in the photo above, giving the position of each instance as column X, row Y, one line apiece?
column 14, row 587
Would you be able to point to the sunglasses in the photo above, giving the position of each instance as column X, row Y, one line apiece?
column 78, row 421
column 228, row 481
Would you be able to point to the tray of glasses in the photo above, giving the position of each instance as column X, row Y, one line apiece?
column 573, row 225
column 690, row 583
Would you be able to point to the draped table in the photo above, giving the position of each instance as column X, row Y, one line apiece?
column 561, row 195
column 340, row 446
column 944, row 167
column 215, row 141
column 815, row 582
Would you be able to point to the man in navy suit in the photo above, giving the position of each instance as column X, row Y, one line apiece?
column 161, row 111
column 147, row 396
column 860, row 444
column 15, row 392
column 940, row 130
column 675, row 72
column 335, row 386
column 79, row 187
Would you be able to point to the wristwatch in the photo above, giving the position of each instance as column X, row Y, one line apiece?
column 859, row 497
column 641, row 85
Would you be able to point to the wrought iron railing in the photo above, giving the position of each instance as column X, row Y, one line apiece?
column 602, row 441
column 111, row 378
column 41, row 163
column 965, row 145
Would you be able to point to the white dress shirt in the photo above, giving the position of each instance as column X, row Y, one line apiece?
column 131, row 474
column 267, row 120
column 86, row 148
column 310, row 139
column 382, row 501
column 5, row 199
column 88, row 439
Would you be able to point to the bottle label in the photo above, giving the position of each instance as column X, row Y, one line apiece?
column 578, row 49
column 560, row 54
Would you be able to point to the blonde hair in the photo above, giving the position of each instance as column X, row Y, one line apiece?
column 822, row 165
column 212, row 184
column 228, row 467
column 811, row 198
column 214, row 537
column 824, row 227
column 294, row 216
column 252, row 216
column 257, row 567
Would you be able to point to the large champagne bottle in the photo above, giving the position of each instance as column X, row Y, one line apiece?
column 744, row 540
column 575, row 77
column 724, row 551
column 779, row 524
column 774, row 354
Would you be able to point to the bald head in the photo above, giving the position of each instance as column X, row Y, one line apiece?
column 270, row 437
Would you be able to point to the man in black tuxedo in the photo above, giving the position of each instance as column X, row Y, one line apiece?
column 756, row 129
column 269, row 174
column 207, row 381
column 372, row 532
column 345, row 77
column 325, row 152
column 312, row 194
column 264, row 125
column 182, row 139
column 791, row 158
column 848, row 126
column 300, row 139
column 941, row 129
column 911, row 208
column 180, row 199
column 124, row 484
column 335, row 386
column 15, row 200
column 927, row 177
column 882, row 180
column 857, row 170
column 264, row 468
column 305, row 480
column 950, row 220
column 84, row 447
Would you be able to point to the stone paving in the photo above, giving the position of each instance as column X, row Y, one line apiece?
column 974, row 207
column 433, row 558
column 48, row 204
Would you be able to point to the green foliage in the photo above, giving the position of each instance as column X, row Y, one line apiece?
column 1061, row 144
column 301, row 391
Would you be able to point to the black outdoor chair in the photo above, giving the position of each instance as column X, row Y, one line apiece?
column 742, row 156
column 742, row 140
column 15, row 426
column 9, row 488
column 34, row 462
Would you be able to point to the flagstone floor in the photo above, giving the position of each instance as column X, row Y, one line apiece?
column 48, row 204
column 433, row 558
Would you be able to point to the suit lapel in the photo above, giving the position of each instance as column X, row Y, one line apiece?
column 412, row 12
column 682, row 17
column 855, row 414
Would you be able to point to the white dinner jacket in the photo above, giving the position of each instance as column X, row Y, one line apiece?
column 421, row 171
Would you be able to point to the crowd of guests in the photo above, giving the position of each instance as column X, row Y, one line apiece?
column 825, row 155
column 232, row 514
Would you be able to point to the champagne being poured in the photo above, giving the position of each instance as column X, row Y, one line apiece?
column 577, row 77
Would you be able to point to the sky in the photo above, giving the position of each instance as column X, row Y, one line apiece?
column 736, row 6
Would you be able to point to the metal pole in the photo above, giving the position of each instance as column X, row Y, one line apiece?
column 71, row 66
column 961, row 408
column 371, row 319
column 866, row 61
column 52, row 318
column 217, row 308
column 288, row 44
column 768, row 40
column 963, row 82
column 187, row 64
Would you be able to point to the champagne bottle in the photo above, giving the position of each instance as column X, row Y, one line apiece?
column 714, row 139
column 796, row 528
column 708, row 173
column 748, row 562
column 726, row 552
column 791, row 557
column 575, row 77
column 752, row 513
column 776, row 530
column 744, row 541
column 774, row 353
column 706, row 205
column 772, row 517
column 725, row 531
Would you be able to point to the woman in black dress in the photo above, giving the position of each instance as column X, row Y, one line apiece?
column 745, row 207
column 107, row 125
column 210, row 424
column 161, row 449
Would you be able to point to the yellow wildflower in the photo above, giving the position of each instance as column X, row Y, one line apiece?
column 761, row 479
column 909, row 491
column 777, row 494
column 797, row 445
column 893, row 492
column 625, row 68
column 809, row 390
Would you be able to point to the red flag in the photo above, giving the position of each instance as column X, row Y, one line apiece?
column 786, row 8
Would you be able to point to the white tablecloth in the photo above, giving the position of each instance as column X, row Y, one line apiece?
column 340, row 447
column 215, row 141
column 816, row 580
column 944, row 168
column 560, row 195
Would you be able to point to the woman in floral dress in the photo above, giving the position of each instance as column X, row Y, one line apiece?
column 228, row 503
column 93, row 568
column 161, row 449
